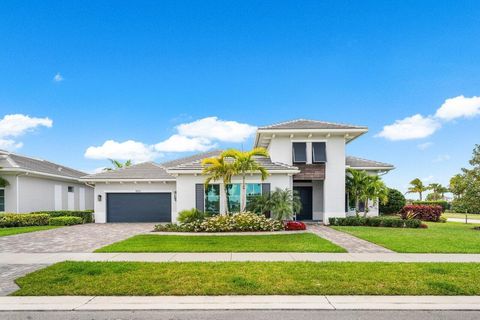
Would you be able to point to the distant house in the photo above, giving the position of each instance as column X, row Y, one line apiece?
column 40, row 185
column 307, row 156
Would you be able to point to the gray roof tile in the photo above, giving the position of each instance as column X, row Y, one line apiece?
column 141, row 171
column 356, row 162
column 310, row 124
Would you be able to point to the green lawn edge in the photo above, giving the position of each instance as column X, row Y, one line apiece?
column 251, row 278
column 298, row 242
column 4, row 232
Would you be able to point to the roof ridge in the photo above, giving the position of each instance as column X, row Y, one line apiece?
column 189, row 159
column 312, row 120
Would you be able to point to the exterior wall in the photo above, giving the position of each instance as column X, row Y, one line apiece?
column 280, row 150
column 186, row 188
column 102, row 189
column 38, row 194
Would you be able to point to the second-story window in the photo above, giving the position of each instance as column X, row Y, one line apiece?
column 299, row 151
column 319, row 153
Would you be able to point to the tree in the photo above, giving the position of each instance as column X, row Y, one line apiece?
column 284, row 204
column 356, row 182
column 3, row 182
column 396, row 201
column 466, row 186
column 244, row 163
column 260, row 204
column 376, row 190
column 417, row 186
column 118, row 165
column 219, row 169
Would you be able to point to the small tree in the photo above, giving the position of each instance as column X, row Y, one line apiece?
column 466, row 186
column 396, row 201
column 284, row 203
column 356, row 182
column 260, row 204
column 417, row 186
column 118, row 165
column 218, row 169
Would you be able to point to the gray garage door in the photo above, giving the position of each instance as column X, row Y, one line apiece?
column 139, row 207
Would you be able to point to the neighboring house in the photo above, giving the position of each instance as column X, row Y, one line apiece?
column 305, row 155
column 40, row 185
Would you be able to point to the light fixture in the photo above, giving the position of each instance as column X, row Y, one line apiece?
column 99, row 198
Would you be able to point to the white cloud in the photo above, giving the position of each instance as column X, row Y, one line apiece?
column 127, row 150
column 178, row 143
column 414, row 127
column 58, row 77
column 441, row 158
column 213, row 128
column 459, row 107
column 14, row 125
column 425, row 145
column 426, row 179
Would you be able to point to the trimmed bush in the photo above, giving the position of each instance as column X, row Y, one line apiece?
column 422, row 212
column 10, row 220
column 246, row 221
column 442, row 203
column 295, row 225
column 86, row 215
column 375, row 222
column 396, row 201
column 65, row 221
column 187, row 216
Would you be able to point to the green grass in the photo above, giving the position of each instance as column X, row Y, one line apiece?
column 450, row 237
column 300, row 242
column 11, row 231
column 251, row 278
column 461, row 215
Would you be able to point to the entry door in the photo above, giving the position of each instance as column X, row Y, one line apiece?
column 305, row 194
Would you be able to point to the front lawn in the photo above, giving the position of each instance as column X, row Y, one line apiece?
column 300, row 242
column 11, row 231
column 450, row 237
column 251, row 278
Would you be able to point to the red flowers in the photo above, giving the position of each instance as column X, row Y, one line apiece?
column 295, row 225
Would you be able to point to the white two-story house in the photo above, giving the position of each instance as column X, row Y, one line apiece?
column 305, row 155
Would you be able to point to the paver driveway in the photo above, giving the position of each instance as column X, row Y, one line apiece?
column 80, row 238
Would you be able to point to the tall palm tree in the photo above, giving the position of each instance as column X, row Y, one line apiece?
column 245, row 163
column 417, row 186
column 118, row 165
column 356, row 184
column 375, row 189
column 218, row 168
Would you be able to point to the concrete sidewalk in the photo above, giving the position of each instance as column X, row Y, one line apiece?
column 49, row 258
column 242, row 303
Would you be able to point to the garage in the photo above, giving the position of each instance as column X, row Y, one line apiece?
column 139, row 207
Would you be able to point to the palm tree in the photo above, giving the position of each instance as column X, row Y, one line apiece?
column 244, row 163
column 375, row 188
column 417, row 186
column 218, row 168
column 118, row 165
column 285, row 203
column 356, row 184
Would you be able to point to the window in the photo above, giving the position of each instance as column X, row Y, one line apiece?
column 70, row 189
column 319, row 153
column 212, row 199
column 2, row 200
column 233, row 197
column 299, row 152
column 253, row 190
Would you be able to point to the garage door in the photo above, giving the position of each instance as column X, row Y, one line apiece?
column 139, row 207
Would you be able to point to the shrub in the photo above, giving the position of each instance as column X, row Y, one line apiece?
column 422, row 212
column 295, row 225
column 246, row 221
column 86, row 215
column 423, row 225
column 375, row 222
column 9, row 220
column 65, row 221
column 187, row 216
column 413, row 223
column 396, row 201
column 442, row 203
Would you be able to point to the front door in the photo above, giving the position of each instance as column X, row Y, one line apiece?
column 305, row 194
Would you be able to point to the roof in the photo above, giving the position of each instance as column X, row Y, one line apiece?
column 195, row 157
column 310, row 124
column 141, row 171
column 16, row 162
column 355, row 162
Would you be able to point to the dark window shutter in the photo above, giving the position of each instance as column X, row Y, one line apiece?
column 200, row 196
column 319, row 152
column 265, row 189
column 299, row 152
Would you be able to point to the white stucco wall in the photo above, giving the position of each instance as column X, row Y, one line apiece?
column 102, row 189
column 10, row 193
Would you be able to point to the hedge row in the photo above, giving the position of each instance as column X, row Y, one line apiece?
column 375, row 222
column 65, row 221
column 10, row 220
column 422, row 212
column 442, row 203
column 86, row 215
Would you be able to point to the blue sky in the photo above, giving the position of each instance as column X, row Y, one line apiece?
column 125, row 71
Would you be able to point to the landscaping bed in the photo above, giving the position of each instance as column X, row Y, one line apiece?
column 298, row 242
column 450, row 237
column 251, row 278
column 45, row 218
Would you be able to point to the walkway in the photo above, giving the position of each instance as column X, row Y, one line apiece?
column 242, row 303
column 350, row 243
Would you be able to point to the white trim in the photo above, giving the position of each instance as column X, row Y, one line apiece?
column 87, row 180
column 58, row 203
column 370, row 168
column 81, row 198
column 269, row 171
column 39, row 173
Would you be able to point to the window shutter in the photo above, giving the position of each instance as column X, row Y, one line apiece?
column 319, row 152
column 265, row 189
column 200, row 196
column 299, row 152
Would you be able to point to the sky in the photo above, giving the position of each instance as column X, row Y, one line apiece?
column 157, row 80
